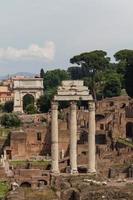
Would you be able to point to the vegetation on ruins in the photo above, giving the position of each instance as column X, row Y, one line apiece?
column 92, row 64
column 4, row 188
column 10, row 120
column 52, row 79
column 42, row 73
column 30, row 109
column 27, row 100
column 33, row 163
column 129, row 79
column 104, row 78
column 100, row 75
column 8, row 106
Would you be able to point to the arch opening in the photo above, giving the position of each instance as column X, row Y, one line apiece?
column 129, row 130
column 42, row 183
column 99, row 117
column 28, row 99
column 74, row 196
column 25, row 185
column 83, row 137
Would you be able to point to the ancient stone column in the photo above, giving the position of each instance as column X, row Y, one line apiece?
column 54, row 138
column 91, row 139
column 73, row 138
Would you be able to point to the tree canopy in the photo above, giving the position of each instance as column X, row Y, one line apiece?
column 129, row 79
column 10, row 120
column 92, row 64
column 53, row 78
column 8, row 106
column 94, row 60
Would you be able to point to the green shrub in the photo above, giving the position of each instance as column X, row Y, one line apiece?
column 10, row 120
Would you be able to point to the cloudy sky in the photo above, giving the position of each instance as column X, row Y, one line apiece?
column 47, row 33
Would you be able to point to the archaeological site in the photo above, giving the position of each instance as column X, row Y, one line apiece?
column 83, row 151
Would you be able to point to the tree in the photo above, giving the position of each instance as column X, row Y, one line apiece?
column 112, row 86
column 92, row 63
column 42, row 73
column 10, row 120
column 129, row 79
column 8, row 106
column 53, row 78
column 1, row 108
column 75, row 72
column 30, row 109
column 94, row 60
column 123, row 57
column 28, row 99
column 44, row 102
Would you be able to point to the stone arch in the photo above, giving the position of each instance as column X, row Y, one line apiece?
column 129, row 130
column 28, row 99
column 42, row 183
column 70, row 194
column 25, row 185
column 23, row 86
column 99, row 117
column 83, row 137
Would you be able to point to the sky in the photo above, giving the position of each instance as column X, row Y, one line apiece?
column 37, row 34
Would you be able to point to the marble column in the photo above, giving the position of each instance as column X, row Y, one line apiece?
column 91, row 139
column 73, row 137
column 54, row 138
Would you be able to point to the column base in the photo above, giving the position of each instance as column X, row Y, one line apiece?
column 55, row 172
column 74, row 171
column 91, row 171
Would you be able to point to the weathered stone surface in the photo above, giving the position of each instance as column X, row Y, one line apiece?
column 23, row 86
column 27, row 194
column 65, row 185
column 106, row 194
column 70, row 194
column 72, row 91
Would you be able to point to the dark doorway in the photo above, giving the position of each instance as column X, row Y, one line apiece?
column 129, row 130
column 74, row 196
column 25, row 185
column 9, row 154
column 42, row 183
column 28, row 99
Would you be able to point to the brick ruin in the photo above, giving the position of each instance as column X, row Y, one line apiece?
column 114, row 126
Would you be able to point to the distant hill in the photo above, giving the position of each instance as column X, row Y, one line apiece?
column 18, row 74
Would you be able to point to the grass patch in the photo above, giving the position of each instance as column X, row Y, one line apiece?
column 4, row 132
column 125, row 142
column 47, row 194
column 4, row 188
column 23, row 163
column 121, row 166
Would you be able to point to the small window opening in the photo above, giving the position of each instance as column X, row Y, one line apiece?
column 38, row 136
column 102, row 126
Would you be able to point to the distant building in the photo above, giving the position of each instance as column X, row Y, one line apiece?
column 6, row 94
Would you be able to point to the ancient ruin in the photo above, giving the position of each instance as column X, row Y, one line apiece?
column 62, row 149
column 26, row 86
column 73, row 91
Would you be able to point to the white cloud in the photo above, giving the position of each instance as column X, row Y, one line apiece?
column 34, row 51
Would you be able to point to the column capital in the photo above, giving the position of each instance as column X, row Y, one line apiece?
column 91, row 105
column 73, row 105
column 54, row 105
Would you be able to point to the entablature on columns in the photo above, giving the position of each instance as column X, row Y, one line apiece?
column 73, row 91
column 72, row 98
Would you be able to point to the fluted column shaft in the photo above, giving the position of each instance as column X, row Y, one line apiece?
column 91, row 139
column 73, row 137
column 54, row 138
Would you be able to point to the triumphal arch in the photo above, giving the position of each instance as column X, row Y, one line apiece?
column 26, row 86
column 73, row 91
